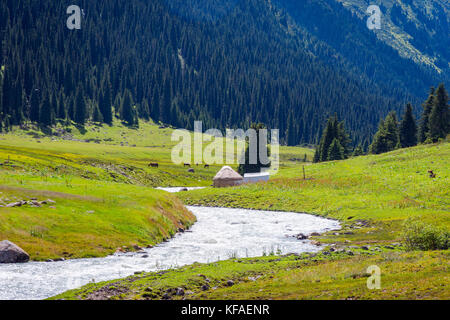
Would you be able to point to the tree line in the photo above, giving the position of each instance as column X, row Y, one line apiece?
column 392, row 134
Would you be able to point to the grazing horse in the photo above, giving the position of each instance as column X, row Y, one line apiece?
column 206, row 165
column 187, row 164
column 432, row 174
column 154, row 165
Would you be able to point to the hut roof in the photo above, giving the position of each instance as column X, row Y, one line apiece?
column 227, row 173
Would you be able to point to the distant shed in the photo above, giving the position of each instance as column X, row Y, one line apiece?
column 227, row 177
column 256, row 177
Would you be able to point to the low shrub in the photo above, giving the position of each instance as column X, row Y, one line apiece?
column 418, row 235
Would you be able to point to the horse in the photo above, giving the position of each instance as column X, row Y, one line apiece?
column 432, row 174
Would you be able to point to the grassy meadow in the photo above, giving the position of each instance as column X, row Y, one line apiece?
column 102, row 197
column 103, row 187
column 372, row 196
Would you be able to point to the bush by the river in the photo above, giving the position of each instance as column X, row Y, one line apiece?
column 418, row 235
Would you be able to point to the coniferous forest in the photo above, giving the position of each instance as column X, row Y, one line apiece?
column 157, row 60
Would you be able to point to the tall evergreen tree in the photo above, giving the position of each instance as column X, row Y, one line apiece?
column 336, row 151
column 329, row 134
column 35, row 105
column 80, row 107
column 424, row 129
column 358, row 151
column 387, row 137
column 408, row 129
column 392, row 131
column 97, row 115
column 62, row 112
column 333, row 130
column 45, row 116
column 344, row 139
column 166, row 103
column 248, row 167
column 439, row 122
column 128, row 110
column 105, row 104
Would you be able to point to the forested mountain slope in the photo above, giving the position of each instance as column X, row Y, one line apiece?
column 228, row 63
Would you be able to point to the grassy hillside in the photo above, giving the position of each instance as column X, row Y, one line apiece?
column 373, row 196
column 102, row 185
column 89, row 220
column 380, row 190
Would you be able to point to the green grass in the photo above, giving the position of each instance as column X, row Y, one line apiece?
column 103, row 188
column 381, row 190
column 372, row 196
column 91, row 220
column 414, row 275
column 114, row 153
column 105, row 199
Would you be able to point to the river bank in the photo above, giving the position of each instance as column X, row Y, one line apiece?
column 211, row 238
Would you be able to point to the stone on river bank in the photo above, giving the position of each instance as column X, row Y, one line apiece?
column 11, row 253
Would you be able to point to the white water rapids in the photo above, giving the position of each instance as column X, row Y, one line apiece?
column 218, row 234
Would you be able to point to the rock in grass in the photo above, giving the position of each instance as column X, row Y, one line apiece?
column 11, row 253
column 180, row 292
column 14, row 204
column 205, row 287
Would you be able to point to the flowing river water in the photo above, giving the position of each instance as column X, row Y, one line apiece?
column 218, row 234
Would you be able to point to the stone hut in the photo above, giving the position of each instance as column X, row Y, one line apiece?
column 227, row 177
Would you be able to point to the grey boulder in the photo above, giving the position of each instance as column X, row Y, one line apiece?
column 11, row 253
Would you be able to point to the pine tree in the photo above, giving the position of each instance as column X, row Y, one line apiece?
column 166, row 103
column 336, row 151
column 387, row 137
column 408, row 129
column 344, row 139
column 45, row 116
column 105, row 105
column 317, row 155
column 80, row 108
column 424, row 129
column 71, row 111
column 392, row 131
column 290, row 131
column 358, row 151
column 97, row 115
column 35, row 105
column 128, row 110
column 145, row 114
column 333, row 130
column 379, row 144
column 327, row 138
column 439, row 121
column 62, row 113
column 248, row 167
column 53, row 107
